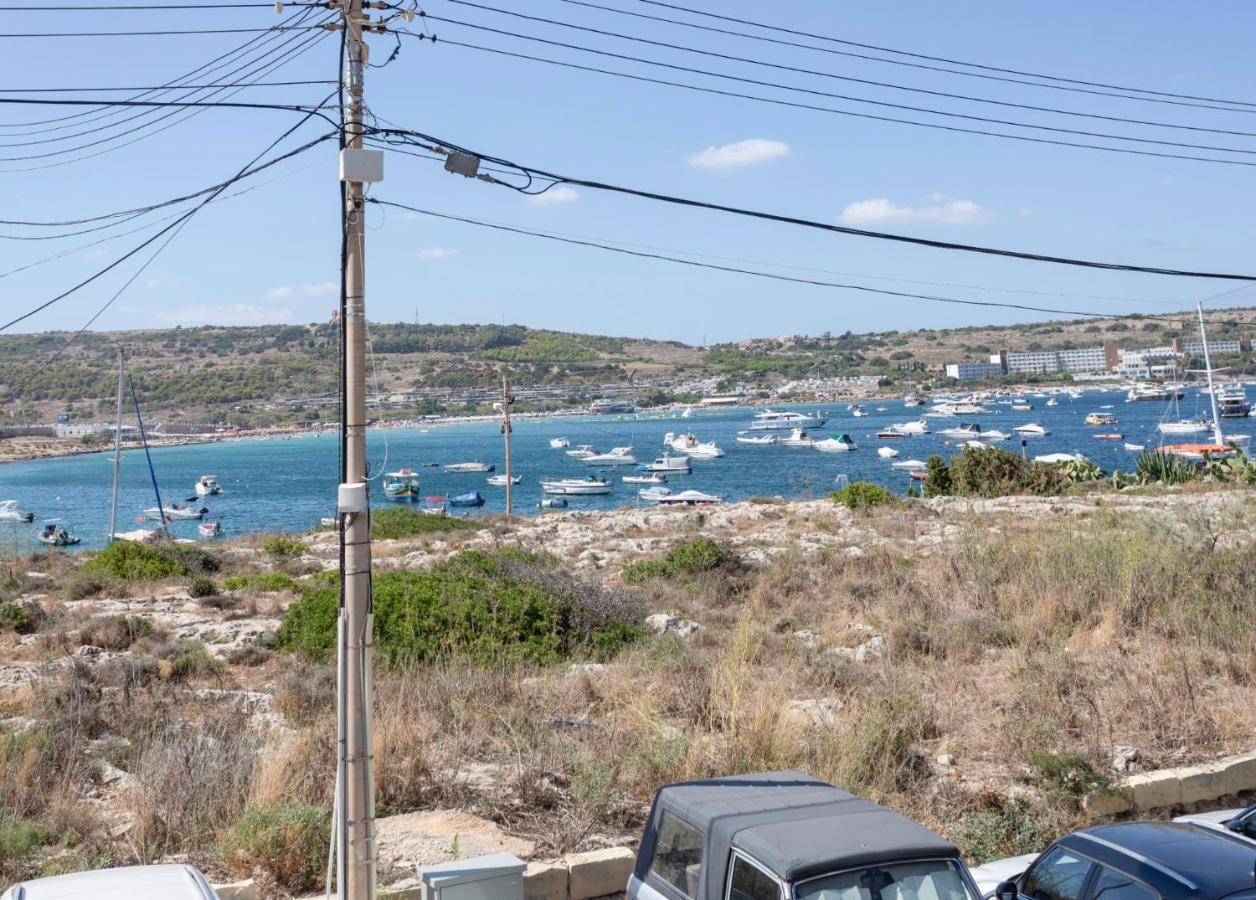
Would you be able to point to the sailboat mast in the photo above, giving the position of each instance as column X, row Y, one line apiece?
column 161, row 510
column 1212, row 393
column 117, row 455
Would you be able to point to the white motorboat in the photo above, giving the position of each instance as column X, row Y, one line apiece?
column 207, row 486
column 588, row 485
column 994, row 435
column 1184, row 426
column 756, row 440
column 1148, row 393
column 840, row 444
column 914, row 400
column 1134, row 448
column 140, row 535
column 669, row 465
column 689, row 445
column 859, row 412
column 911, row 429
column 962, row 430
column 653, row 494
column 769, row 420
column 54, row 534
column 797, row 438
column 974, row 445
column 689, row 498
column 560, row 443
column 1031, row 429
column 908, row 464
column 617, row 456
column 500, row 480
column 210, row 529
column 475, row 466
column 956, row 408
column 1053, row 402
column 649, row 478
column 887, row 452
column 11, row 512
column 176, row 512
column 1052, row 459
column 582, row 451
column 552, row 503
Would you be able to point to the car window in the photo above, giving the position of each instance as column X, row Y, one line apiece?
column 1115, row 886
column 1058, row 875
column 927, row 880
column 677, row 853
column 749, row 882
column 1247, row 827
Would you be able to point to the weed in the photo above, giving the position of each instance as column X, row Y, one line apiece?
column 288, row 842
column 1069, row 775
column 82, row 588
column 201, row 586
column 996, row 826
column 862, row 495
column 23, row 618
column 282, row 546
column 390, row 524
column 115, row 632
column 131, row 561
column 688, row 558
column 260, row 581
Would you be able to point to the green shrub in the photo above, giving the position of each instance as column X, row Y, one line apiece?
column 991, row 472
column 689, row 558
column 202, row 587
column 281, row 546
column 399, row 522
column 1164, row 468
column 132, row 561
column 1069, row 776
column 491, row 607
column 862, row 495
column 20, row 837
column 1000, row 827
column 260, row 581
column 287, row 842
column 24, row 618
column 191, row 660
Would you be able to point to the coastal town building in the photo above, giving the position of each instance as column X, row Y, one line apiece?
column 969, row 370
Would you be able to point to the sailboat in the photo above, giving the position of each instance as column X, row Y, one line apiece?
column 1220, row 446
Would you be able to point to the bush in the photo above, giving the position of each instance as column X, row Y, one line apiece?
column 1164, row 468
column 1069, row 776
column 202, row 587
column 991, row 472
column 82, row 588
column 115, row 632
column 399, row 522
column 19, row 837
column 878, row 753
column 131, row 561
column 862, row 495
column 281, row 546
column 689, row 558
column 288, row 842
column 1000, row 827
column 260, row 581
column 24, row 618
column 491, row 607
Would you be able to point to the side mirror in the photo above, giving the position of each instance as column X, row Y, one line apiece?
column 1006, row 890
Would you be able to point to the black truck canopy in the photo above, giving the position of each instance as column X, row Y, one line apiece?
column 794, row 825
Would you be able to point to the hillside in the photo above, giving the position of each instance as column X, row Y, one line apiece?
column 276, row 373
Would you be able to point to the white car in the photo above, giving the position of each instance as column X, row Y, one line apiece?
column 168, row 882
column 1240, row 822
column 993, row 873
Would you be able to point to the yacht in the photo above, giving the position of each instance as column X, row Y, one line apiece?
column 648, row 478
column 1100, row 418
column 560, row 443
column 10, row 511
column 688, row 498
column 911, row 429
column 887, row 452
column 500, row 480
column 956, row 408
column 691, row 446
column 401, row 485
column 669, row 465
column 1031, row 429
column 962, row 430
column 581, row 452
column 1232, row 403
column 840, row 444
column 476, row 466
column 797, row 438
column 779, row 421
column 757, row 440
column 1153, row 393
column 588, row 485
column 617, row 456
column 207, row 485
column 1184, row 426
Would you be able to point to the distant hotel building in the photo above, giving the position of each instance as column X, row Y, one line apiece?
column 969, row 370
column 1242, row 345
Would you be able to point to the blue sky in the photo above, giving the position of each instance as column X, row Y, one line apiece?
column 272, row 254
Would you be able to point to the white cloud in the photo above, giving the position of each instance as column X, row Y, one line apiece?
column 279, row 293
column 555, row 195
column 234, row 314
column 948, row 211
column 321, row 289
column 434, row 253
column 741, row 153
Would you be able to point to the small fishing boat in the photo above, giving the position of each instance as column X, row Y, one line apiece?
column 586, row 486
column 689, row 498
column 1109, row 436
column 1135, row 448
column 668, row 465
column 54, row 534
column 1031, row 429
column 616, row 456
column 994, row 435
column 208, row 486
column 909, row 464
column 211, row 529
column 553, row 503
column 475, row 466
column 172, row 512
column 756, row 440
column 840, row 444
column 500, row 480
column 651, row 478
column 1100, row 418
column 560, row 443
column 887, row 452
column 11, row 512
column 471, row 498
column 797, row 438
column 1022, row 407
column 402, row 485
column 581, row 451
column 653, row 494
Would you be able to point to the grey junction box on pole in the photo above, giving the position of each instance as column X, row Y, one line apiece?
column 498, row 876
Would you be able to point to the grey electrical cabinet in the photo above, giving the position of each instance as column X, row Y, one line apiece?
column 498, row 876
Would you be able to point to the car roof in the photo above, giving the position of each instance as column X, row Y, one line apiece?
column 164, row 882
column 792, row 824
column 1176, row 858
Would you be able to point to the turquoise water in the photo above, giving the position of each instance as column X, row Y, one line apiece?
column 279, row 484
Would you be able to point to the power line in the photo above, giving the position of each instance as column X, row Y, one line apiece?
column 865, row 81
column 852, row 99
column 832, row 110
column 90, row 90
column 943, row 59
column 821, row 226
column 159, row 6
column 167, row 33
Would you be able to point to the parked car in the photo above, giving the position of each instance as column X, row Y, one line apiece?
column 165, row 882
column 1138, row 861
column 786, row 835
column 1232, row 821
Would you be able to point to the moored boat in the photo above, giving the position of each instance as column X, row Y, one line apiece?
column 54, row 534
column 402, row 485
column 909, row 464
column 500, row 480
column 1099, row 418
column 1135, row 448
column 689, row 498
column 842, row 443
column 887, row 452
column 962, row 430
column 649, row 478
column 1184, row 426
column 1031, row 429
column 797, row 438
column 210, row 529
column 176, row 512
column 768, row 420
column 11, row 512
column 616, row 456
column 588, row 485
column 1109, row 436
column 560, row 443
column 552, row 503
column 653, row 494
column 994, row 435
column 689, row 445
column 475, row 466
column 471, row 498
column 757, row 440
column 207, row 486
column 581, row 451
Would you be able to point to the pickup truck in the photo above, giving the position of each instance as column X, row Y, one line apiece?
column 787, row 836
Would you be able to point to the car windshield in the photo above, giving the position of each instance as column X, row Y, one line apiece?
column 929, row 880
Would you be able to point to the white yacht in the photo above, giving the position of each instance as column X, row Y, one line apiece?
column 757, row 440
column 582, row 451
column 500, row 480
column 887, row 452
column 588, row 485
column 956, row 408
column 617, row 456
column 962, row 430
column 647, row 478
column 1184, row 426
column 840, row 444
column 476, row 466
column 769, row 420
column 911, row 429
column 691, row 446
column 669, row 465
column 560, row 443
column 1031, row 429
column 207, row 485
column 1151, row 393
column 797, row 438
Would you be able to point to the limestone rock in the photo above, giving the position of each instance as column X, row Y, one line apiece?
column 668, row 623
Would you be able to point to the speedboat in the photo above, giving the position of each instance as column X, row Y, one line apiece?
column 207, row 485
column 1052, row 459
column 757, row 440
column 1100, row 418
column 956, row 408
column 560, row 443
column 471, row 498
column 1149, row 393
column 176, row 511
column 1109, row 436
column 210, row 529
column 401, row 485
column 1184, row 426
column 500, row 480
column 54, row 534
column 651, row 478
column 1134, row 448
column 797, row 438
column 617, row 456
column 10, row 512
column 779, row 421
column 859, row 411
column 887, row 452
column 552, row 503
column 689, row 498
column 1031, row 429
column 590, row 484
column 911, row 429
column 908, row 464
column 974, row 445
column 994, row 435
column 581, row 451
column 689, row 445
column 962, row 430
column 1053, row 402
column 476, row 466
column 669, row 465
column 890, row 434
column 840, row 444
column 653, row 494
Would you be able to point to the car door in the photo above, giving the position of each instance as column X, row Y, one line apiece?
column 747, row 880
column 1058, row 874
column 676, row 864
column 1110, row 884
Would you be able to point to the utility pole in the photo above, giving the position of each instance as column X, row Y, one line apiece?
column 355, row 800
column 506, row 401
